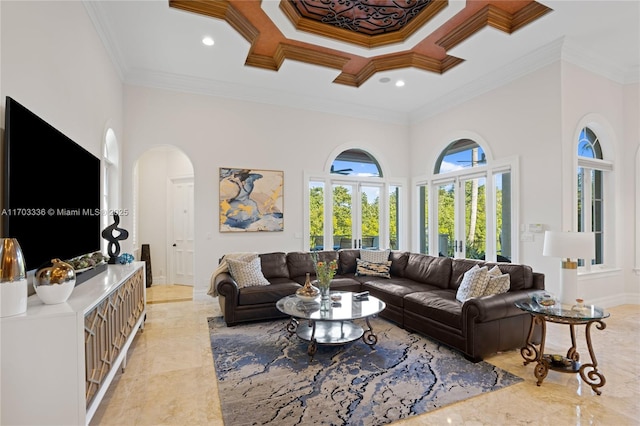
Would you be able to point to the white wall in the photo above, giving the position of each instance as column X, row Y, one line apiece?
column 216, row 133
column 54, row 64
column 519, row 119
column 591, row 99
column 535, row 118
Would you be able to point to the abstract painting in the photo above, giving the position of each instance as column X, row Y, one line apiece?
column 251, row 200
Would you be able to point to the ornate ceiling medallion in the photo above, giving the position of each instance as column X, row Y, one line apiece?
column 368, row 23
column 270, row 48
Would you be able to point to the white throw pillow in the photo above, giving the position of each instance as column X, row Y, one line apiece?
column 498, row 282
column 247, row 273
column 473, row 283
column 375, row 256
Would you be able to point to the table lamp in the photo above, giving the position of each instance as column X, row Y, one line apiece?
column 569, row 246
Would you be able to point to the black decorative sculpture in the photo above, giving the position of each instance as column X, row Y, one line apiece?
column 113, row 234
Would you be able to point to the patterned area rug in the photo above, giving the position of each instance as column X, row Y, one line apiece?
column 265, row 377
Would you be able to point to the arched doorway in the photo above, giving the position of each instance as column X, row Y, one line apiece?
column 164, row 200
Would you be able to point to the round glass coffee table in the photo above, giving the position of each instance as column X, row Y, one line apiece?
column 586, row 315
column 331, row 322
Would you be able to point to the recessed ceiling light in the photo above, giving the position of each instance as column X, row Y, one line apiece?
column 384, row 80
column 399, row 83
column 208, row 41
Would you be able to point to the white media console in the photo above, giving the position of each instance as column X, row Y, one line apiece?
column 57, row 361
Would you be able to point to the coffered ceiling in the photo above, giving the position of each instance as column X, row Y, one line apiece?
column 346, row 55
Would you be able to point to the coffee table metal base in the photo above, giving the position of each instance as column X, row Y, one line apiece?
column 330, row 333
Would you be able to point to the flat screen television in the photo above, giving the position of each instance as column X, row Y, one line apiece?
column 51, row 190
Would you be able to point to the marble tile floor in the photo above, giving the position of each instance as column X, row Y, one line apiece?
column 170, row 378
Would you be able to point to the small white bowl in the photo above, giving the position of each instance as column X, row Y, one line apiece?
column 307, row 298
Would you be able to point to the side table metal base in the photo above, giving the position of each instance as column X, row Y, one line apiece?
column 569, row 364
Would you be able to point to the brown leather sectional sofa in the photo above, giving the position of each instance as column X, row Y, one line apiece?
column 420, row 296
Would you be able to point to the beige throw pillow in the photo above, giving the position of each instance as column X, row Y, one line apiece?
column 498, row 282
column 375, row 256
column 247, row 273
column 473, row 283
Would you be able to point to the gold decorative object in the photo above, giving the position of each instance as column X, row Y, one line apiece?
column 54, row 283
column 13, row 278
column 307, row 292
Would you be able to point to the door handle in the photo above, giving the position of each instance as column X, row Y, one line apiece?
column 174, row 245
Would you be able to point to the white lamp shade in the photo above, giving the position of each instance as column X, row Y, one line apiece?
column 569, row 245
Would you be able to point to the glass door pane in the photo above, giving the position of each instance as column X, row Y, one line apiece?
column 394, row 200
column 369, row 217
column 316, row 215
column 502, row 183
column 343, row 210
column 446, row 220
column 475, row 225
column 423, row 211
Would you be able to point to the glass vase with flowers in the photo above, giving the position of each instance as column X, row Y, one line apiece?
column 325, row 271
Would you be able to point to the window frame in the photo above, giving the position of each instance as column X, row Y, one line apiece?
column 606, row 167
column 488, row 170
column 328, row 179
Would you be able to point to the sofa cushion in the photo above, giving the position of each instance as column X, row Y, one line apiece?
column 274, row 265
column 498, row 282
column 247, row 273
column 299, row 264
column 372, row 269
column 428, row 269
column 458, row 268
column 473, row 284
column 399, row 260
column 347, row 261
column 520, row 276
column 438, row 305
column 375, row 256
column 392, row 291
column 268, row 294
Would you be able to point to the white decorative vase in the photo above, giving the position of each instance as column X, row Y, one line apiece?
column 13, row 278
column 54, row 283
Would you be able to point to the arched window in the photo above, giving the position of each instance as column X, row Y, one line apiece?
column 460, row 154
column 591, row 174
column 353, row 206
column 355, row 162
column 469, row 212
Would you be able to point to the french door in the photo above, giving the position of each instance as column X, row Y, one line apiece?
column 461, row 217
column 356, row 214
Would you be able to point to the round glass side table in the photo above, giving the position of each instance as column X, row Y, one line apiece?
column 586, row 315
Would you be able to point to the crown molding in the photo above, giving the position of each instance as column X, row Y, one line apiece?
column 105, row 33
column 586, row 59
column 246, row 93
column 525, row 65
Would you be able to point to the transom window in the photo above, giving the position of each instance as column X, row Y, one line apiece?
column 460, row 154
column 355, row 162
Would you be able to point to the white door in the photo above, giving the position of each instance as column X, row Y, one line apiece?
column 181, row 231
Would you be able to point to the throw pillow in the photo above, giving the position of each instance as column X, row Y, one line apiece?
column 247, row 273
column 473, row 283
column 373, row 269
column 498, row 282
column 375, row 256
